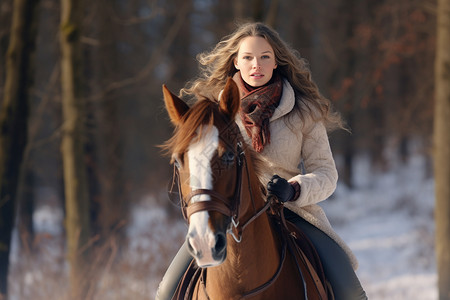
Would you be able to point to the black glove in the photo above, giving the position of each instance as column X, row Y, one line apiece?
column 280, row 188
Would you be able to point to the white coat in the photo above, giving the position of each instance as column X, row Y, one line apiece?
column 292, row 142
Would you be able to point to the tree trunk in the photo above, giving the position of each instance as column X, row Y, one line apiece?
column 351, row 14
column 442, row 148
column 14, row 121
column 106, row 142
column 72, row 146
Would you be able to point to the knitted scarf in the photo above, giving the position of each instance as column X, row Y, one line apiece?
column 257, row 106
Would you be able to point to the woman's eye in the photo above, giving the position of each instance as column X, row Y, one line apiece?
column 265, row 56
column 247, row 57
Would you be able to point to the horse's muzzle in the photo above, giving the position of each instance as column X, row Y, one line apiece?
column 204, row 254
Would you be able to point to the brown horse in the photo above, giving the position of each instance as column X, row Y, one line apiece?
column 221, row 193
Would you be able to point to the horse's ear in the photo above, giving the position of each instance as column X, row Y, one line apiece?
column 230, row 100
column 174, row 106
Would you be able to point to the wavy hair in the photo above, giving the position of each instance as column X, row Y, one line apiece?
column 218, row 64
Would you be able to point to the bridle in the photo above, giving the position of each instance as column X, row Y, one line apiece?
column 227, row 206
column 230, row 208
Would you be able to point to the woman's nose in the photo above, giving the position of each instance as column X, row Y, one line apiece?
column 256, row 64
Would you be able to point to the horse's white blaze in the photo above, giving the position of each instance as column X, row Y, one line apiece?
column 200, row 236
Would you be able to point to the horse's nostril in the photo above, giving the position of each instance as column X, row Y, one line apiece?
column 221, row 243
column 189, row 245
column 191, row 249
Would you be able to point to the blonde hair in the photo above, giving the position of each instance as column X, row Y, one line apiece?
column 218, row 64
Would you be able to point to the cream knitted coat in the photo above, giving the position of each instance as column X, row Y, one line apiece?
column 292, row 142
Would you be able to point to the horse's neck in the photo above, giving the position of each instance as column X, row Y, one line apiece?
column 257, row 246
column 249, row 264
column 257, row 253
column 258, row 239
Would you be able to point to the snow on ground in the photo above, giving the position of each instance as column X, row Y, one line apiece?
column 387, row 220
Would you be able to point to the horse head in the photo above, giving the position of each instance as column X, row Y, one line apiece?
column 207, row 151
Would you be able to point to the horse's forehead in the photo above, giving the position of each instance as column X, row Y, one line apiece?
column 205, row 143
column 200, row 153
column 219, row 130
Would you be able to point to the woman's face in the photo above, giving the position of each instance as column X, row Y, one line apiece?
column 255, row 60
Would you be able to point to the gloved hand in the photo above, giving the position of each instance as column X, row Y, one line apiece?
column 280, row 188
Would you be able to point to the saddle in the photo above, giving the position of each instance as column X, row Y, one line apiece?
column 298, row 244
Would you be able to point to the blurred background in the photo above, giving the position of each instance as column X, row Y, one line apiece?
column 373, row 59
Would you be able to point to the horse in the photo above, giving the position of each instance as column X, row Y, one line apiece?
column 239, row 239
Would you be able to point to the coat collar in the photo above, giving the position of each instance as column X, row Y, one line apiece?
column 287, row 101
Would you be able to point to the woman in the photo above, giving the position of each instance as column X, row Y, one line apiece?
column 285, row 118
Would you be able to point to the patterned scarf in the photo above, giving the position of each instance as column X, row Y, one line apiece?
column 257, row 106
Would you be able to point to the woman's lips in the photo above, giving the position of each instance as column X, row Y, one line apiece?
column 256, row 75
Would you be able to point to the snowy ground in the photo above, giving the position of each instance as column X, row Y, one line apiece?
column 388, row 223
column 387, row 220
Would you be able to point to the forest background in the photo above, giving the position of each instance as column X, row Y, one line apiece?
column 90, row 83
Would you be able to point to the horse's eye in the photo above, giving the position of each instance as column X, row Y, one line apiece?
column 228, row 157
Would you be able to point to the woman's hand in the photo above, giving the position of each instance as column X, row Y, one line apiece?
column 280, row 188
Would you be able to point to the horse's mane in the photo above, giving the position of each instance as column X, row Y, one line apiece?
column 258, row 165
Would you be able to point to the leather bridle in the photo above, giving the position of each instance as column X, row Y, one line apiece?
column 227, row 206
column 230, row 208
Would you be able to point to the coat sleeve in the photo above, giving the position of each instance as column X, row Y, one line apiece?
column 320, row 178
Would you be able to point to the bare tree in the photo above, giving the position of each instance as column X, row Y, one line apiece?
column 14, row 121
column 72, row 145
column 442, row 148
column 105, row 141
